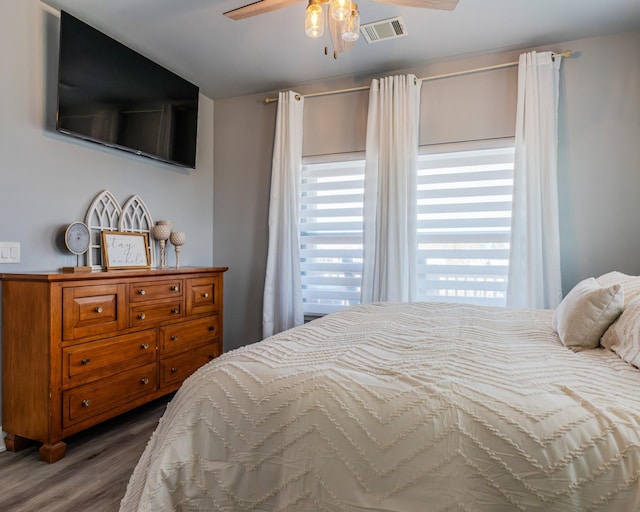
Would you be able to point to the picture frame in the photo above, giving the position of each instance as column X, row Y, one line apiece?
column 124, row 250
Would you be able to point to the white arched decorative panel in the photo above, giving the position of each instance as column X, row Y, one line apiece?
column 136, row 218
column 102, row 215
column 106, row 214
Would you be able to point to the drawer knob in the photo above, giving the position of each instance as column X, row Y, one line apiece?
column 205, row 295
column 142, row 316
column 174, row 338
column 142, row 291
column 144, row 346
column 175, row 288
column 86, row 403
column 175, row 311
column 212, row 328
column 98, row 309
column 86, row 360
column 174, row 370
column 144, row 381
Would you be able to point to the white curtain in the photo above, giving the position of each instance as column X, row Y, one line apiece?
column 534, row 263
column 282, row 307
column 389, row 268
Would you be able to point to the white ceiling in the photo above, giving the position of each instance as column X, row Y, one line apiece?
column 228, row 58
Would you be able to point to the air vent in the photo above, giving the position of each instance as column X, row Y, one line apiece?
column 383, row 30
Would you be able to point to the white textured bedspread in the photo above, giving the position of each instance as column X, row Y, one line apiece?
column 401, row 407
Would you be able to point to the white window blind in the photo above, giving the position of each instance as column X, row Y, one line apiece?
column 331, row 234
column 464, row 225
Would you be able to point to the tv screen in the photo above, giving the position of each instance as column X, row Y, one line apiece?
column 112, row 95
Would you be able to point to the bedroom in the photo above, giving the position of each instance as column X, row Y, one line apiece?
column 48, row 182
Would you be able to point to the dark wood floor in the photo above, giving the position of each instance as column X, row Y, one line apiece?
column 92, row 476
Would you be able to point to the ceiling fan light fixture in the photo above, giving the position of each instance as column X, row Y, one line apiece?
column 351, row 31
column 340, row 9
column 314, row 19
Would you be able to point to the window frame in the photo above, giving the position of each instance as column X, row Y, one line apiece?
column 314, row 291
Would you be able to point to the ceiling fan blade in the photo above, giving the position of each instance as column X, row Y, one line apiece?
column 260, row 7
column 446, row 5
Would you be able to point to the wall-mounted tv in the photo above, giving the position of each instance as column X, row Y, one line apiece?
column 112, row 95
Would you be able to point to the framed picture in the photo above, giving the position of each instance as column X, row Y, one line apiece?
column 125, row 250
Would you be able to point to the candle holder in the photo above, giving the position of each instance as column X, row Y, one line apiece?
column 177, row 238
column 162, row 232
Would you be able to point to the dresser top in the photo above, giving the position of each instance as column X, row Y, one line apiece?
column 107, row 274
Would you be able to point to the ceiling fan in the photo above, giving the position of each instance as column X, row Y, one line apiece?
column 342, row 17
column 264, row 6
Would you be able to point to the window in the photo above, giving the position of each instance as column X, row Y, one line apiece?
column 464, row 224
column 331, row 234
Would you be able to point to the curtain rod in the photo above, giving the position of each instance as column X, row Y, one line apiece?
column 425, row 79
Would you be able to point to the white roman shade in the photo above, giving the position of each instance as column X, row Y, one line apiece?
column 464, row 219
column 331, row 233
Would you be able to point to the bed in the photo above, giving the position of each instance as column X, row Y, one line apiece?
column 411, row 407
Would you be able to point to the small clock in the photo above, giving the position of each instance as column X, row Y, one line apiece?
column 77, row 239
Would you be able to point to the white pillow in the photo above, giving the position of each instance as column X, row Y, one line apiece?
column 630, row 284
column 586, row 312
column 623, row 336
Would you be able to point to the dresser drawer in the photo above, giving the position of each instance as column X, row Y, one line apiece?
column 97, row 359
column 175, row 369
column 154, row 314
column 187, row 335
column 203, row 295
column 145, row 291
column 98, row 397
column 93, row 310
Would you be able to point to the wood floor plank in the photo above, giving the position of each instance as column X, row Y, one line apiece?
column 92, row 476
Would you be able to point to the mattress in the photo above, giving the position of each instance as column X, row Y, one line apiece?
column 401, row 407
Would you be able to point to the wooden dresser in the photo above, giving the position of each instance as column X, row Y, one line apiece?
column 78, row 349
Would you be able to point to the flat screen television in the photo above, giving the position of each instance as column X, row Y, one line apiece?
column 112, row 95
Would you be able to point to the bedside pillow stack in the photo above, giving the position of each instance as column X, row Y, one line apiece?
column 586, row 312
column 623, row 336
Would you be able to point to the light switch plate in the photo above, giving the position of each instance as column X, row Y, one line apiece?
column 9, row 252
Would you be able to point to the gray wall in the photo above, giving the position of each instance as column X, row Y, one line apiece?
column 48, row 180
column 244, row 136
column 599, row 157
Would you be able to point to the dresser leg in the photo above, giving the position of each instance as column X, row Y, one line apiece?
column 53, row 452
column 16, row 443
